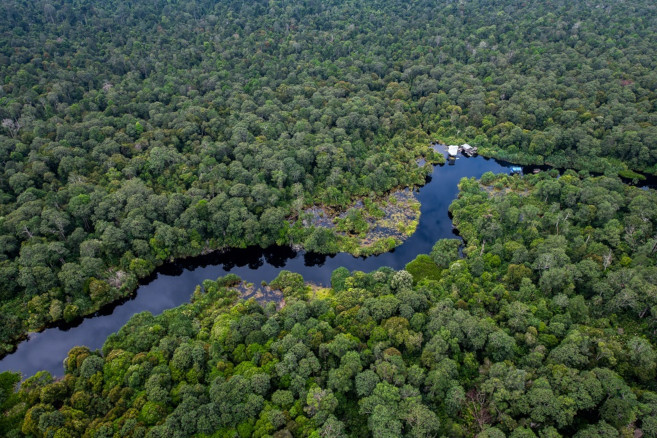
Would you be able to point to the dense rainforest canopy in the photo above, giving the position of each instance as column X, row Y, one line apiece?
column 543, row 329
column 135, row 132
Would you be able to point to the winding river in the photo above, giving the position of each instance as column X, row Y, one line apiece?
column 174, row 283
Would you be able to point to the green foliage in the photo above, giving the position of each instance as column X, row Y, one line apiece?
column 338, row 278
column 423, row 267
column 445, row 251
column 121, row 149
column 322, row 240
column 134, row 134
column 353, row 222
column 8, row 401
column 291, row 284
column 422, row 352
column 118, row 157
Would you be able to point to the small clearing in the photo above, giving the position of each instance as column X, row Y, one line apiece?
column 262, row 294
column 370, row 226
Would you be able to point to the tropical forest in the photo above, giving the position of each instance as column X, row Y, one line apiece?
column 282, row 167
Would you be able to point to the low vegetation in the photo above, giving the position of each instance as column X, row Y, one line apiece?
column 367, row 227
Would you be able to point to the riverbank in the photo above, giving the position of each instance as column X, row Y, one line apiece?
column 595, row 165
column 384, row 232
column 171, row 283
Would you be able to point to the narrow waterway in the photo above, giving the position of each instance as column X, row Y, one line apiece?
column 175, row 282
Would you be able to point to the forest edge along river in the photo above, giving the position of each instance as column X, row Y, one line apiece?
column 174, row 283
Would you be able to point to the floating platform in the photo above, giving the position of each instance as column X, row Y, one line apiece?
column 465, row 149
column 468, row 150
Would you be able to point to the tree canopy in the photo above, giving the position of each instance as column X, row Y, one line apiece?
column 492, row 344
column 134, row 133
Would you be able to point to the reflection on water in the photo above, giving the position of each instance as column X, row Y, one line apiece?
column 174, row 283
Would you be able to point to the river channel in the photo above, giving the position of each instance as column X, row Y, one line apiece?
column 174, row 283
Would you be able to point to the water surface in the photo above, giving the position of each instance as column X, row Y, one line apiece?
column 174, row 283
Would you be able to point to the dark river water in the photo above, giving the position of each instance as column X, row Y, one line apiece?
column 174, row 283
